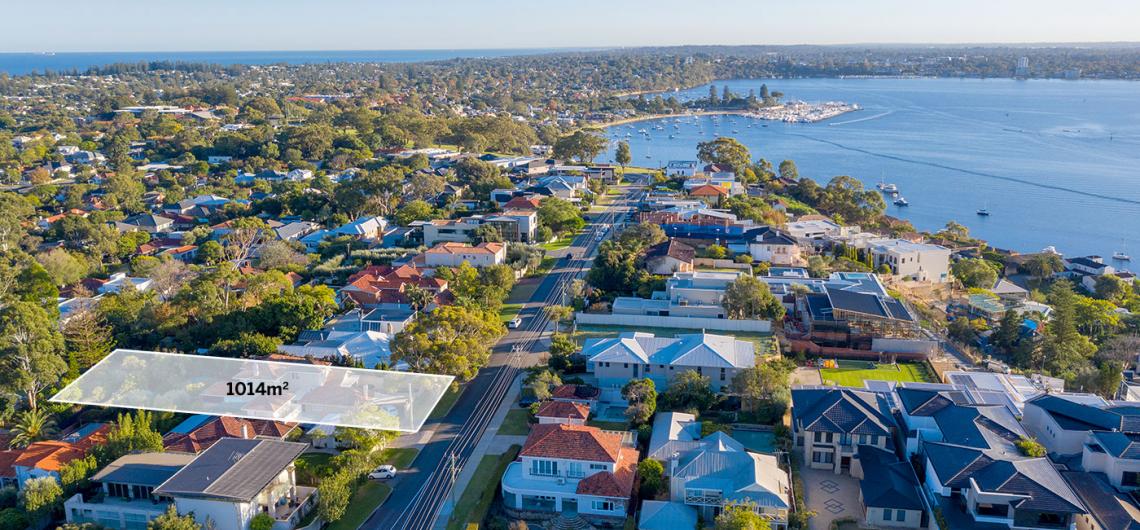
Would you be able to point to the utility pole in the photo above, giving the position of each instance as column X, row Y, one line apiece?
column 454, row 476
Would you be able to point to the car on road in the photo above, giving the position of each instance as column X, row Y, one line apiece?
column 383, row 472
column 515, row 323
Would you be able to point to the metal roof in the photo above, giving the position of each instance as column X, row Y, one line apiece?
column 233, row 468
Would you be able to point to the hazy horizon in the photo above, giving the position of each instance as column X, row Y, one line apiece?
column 352, row 25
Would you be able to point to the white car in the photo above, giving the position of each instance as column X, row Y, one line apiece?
column 383, row 472
column 515, row 323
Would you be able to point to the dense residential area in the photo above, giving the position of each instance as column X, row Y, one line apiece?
column 716, row 343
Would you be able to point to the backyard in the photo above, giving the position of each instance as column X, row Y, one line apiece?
column 853, row 373
column 517, row 423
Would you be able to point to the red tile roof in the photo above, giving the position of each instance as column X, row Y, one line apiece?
column 573, row 442
column 377, row 284
column 464, row 248
column 51, row 455
column 708, row 190
column 7, row 463
column 563, row 409
column 616, row 484
column 206, row 435
column 522, row 203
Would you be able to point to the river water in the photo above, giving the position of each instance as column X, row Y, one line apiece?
column 1055, row 162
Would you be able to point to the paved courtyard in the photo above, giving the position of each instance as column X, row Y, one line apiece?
column 831, row 496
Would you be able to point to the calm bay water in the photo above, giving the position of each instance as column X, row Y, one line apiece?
column 1056, row 162
column 23, row 63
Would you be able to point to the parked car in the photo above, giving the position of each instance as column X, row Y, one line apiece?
column 515, row 323
column 383, row 472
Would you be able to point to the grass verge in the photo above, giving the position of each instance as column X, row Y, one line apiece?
column 480, row 493
column 508, row 312
column 446, row 402
column 517, row 423
column 369, row 496
column 401, row 457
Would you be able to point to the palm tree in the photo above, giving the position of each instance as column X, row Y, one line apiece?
column 418, row 297
column 32, row 426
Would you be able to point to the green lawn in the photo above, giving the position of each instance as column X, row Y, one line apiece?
column 480, row 493
column 508, row 312
column 560, row 243
column 762, row 341
column 365, row 500
column 517, row 422
column 312, row 466
column 544, row 267
column 853, row 373
column 446, row 402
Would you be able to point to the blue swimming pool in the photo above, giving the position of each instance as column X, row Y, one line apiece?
column 759, row 441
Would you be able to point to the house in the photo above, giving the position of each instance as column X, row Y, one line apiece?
column 889, row 490
column 376, row 285
column 522, row 202
column 681, row 168
column 455, row 254
column 184, row 253
column 566, row 412
column 673, row 433
column 816, row 230
column 709, row 193
column 387, row 319
column 582, row 394
column 119, row 280
column 855, row 311
column 670, row 257
column 149, row 223
column 634, row 355
column 236, row 479
column 45, row 458
column 199, row 432
column 1108, row 509
column 829, row 425
column 1062, row 422
column 126, row 485
column 1114, row 454
column 367, row 347
column 514, row 225
column 295, row 230
column 363, row 228
column 199, row 206
column 572, row 468
column 721, row 472
column 915, row 261
column 775, row 247
column 1086, row 270
column 687, row 294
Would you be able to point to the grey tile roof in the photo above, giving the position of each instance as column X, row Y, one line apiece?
column 994, row 471
column 887, row 482
column 1119, row 444
column 982, row 427
column 839, row 410
column 1075, row 416
column 232, row 468
column 1110, row 508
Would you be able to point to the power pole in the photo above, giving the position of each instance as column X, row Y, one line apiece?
column 454, row 476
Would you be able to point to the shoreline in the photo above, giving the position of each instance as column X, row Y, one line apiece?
column 790, row 113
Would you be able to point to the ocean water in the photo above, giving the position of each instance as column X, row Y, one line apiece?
column 23, row 63
column 1057, row 163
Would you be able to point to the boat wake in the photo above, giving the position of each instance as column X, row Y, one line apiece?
column 868, row 118
column 969, row 171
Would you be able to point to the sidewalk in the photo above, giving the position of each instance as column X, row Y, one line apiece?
column 489, row 443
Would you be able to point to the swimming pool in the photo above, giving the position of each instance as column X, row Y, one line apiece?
column 759, row 441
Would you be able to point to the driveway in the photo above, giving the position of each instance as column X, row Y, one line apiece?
column 806, row 376
column 830, row 496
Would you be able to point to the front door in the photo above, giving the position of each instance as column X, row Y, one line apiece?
column 845, row 463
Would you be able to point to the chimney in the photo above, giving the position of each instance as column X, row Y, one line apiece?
column 245, row 431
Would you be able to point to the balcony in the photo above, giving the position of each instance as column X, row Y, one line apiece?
column 291, row 509
column 704, row 499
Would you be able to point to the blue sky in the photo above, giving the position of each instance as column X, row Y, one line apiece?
column 172, row 25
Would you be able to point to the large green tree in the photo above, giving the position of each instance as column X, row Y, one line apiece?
column 748, row 298
column 31, row 350
column 725, row 151
column 452, row 340
column 584, row 145
column 560, row 215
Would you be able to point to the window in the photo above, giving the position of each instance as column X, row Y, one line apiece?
column 900, row 515
column 575, row 470
column 598, row 467
column 603, row 506
column 722, row 374
column 818, row 436
column 544, row 467
column 823, row 457
column 829, row 437
column 874, row 439
column 1130, row 478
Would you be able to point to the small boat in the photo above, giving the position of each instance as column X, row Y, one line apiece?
column 984, row 212
column 886, row 187
column 1119, row 255
column 901, row 201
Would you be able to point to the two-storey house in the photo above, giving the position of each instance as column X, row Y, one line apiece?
column 572, row 468
column 829, row 424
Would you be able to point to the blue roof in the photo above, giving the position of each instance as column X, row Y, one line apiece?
column 887, row 482
column 193, row 422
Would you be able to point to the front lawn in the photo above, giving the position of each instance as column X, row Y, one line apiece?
column 446, row 402
column 562, row 242
column 311, row 467
column 369, row 496
column 517, row 422
column 480, row 493
column 853, row 373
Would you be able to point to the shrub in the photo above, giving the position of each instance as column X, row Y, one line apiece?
column 1031, row 448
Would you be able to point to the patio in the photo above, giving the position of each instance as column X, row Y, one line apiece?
column 831, row 496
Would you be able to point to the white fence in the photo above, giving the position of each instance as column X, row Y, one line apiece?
column 648, row 321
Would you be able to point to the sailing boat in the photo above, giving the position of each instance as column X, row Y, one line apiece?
column 1120, row 255
column 984, row 211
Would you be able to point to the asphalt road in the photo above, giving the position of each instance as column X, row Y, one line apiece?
column 420, row 492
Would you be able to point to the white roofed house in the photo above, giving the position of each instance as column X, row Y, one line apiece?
column 915, row 261
column 615, row 361
column 363, row 228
